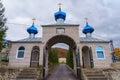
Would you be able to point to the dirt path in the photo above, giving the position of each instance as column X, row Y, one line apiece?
column 61, row 73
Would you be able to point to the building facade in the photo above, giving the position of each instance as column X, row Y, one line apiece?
column 33, row 51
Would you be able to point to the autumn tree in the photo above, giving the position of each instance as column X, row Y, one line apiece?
column 117, row 53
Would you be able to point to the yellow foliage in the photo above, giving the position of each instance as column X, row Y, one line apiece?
column 117, row 51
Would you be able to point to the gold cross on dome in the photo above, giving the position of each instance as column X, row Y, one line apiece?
column 33, row 19
column 86, row 19
column 59, row 5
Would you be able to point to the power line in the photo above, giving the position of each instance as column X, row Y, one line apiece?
column 100, row 36
column 17, row 24
column 20, row 24
column 29, row 25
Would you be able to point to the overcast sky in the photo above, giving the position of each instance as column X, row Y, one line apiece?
column 104, row 16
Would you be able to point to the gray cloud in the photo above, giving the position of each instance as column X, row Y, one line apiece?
column 103, row 16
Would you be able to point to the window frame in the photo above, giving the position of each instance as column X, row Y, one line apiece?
column 57, row 30
column 19, row 51
column 100, row 51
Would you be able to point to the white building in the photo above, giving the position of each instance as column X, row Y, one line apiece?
column 33, row 51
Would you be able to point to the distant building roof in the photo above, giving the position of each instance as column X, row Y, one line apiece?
column 37, row 39
column 91, row 39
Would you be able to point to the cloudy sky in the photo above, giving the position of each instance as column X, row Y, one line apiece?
column 104, row 16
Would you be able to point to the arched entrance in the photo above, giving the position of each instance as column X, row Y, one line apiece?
column 60, row 39
column 87, row 57
column 34, row 62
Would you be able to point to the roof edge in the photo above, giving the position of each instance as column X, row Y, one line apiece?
column 26, row 41
column 95, row 41
column 49, row 25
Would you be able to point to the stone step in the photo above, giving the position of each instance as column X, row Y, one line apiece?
column 25, row 77
column 99, row 73
column 27, row 71
column 30, row 69
column 95, row 75
column 97, row 79
column 27, row 74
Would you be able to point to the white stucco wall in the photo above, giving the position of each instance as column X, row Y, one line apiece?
column 25, row 62
column 48, row 33
column 99, row 63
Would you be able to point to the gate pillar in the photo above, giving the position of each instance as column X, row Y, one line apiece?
column 78, row 67
column 44, row 64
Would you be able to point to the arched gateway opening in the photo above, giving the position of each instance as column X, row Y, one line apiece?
column 62, row 39
column 59, row 39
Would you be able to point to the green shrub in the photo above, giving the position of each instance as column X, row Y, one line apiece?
column 5, row 60
column 63, row 62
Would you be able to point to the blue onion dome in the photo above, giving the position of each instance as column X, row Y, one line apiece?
column 32, row 29
column 60, row 15
column 87, row 29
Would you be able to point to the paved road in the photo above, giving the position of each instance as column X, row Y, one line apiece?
column 61, row 72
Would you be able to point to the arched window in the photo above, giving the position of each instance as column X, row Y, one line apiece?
column 100, row 53
column 21, row 51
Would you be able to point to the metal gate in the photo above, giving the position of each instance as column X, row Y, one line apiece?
column 44, row 63
column 78, row 67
